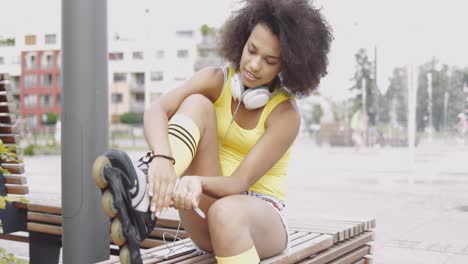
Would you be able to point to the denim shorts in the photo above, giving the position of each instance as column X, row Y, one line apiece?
column 280, row 208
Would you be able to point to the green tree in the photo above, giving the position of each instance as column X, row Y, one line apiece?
column 364, row 75
column 393, row 105
column 445, row 80
column 49, row 118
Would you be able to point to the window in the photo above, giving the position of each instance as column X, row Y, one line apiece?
column 120, row 77
column 46, row 80
column 59, row 60
column 137, row 55
column 160, row 54
column 50, row 39
column 182, row 54
column 30, row 60
column 184, row 33
column 31, row 120
column 59, row 80
column 30, row 101
column 2, row 60
column 117, row 98
column 157, row 76
column 46, row 61
column 140, row 78
column 113, row 56
column 30, row 80
column 140, row 97
column 30, row 39
column 46, row 100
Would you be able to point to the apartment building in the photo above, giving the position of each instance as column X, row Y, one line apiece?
column 32, row 62
column 143, row 69
column 140, row 69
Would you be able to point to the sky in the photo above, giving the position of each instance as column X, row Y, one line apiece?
column 404, row 31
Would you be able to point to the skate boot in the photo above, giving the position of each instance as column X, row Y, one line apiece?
column 125, row 201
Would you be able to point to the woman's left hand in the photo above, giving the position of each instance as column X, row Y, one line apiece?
column 187, row 193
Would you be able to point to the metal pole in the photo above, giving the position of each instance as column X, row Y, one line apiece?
column 446, row 98
column 412, row 80
column 85, row 235
column 364, row 108
column 429, row 103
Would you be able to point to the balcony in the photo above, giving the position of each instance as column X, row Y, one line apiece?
column 137, row 87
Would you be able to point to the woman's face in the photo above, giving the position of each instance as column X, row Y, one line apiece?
column 260, row 62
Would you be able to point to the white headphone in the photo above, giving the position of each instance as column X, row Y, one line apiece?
column 252, row 98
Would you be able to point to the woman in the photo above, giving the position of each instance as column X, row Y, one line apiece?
column 239, row 122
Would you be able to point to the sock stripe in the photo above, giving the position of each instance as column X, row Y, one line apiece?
column 187, row 137
column 173, row 126
column 185, row 142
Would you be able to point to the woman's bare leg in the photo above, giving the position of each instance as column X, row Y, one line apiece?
column 205, row 163
column 239, row 222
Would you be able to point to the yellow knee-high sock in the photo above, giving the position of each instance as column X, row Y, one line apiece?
column 248, row 257
column 184, row 136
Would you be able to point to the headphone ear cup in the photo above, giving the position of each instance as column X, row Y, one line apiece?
column 256, row 98
column 237, row 88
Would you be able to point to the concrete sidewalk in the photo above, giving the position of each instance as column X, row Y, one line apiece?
column 424, row 222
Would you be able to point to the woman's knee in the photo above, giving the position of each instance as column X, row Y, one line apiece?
column 199, row 108
column 225, row 214
column 197, row 103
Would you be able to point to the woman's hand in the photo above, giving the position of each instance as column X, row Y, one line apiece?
column 161, row 179
column 188, row 193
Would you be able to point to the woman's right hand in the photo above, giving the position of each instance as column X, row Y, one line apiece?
column 161, row 179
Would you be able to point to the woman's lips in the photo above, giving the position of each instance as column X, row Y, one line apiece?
column 249, row 76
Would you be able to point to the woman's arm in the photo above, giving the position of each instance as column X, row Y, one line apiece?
column 207, row 82
column 282, row 127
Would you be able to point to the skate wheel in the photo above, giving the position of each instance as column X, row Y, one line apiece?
column 124, row 255
column 98, row 171
column 117, row 235
column 107, row 203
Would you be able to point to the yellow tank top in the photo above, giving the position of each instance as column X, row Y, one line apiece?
column 239, row 142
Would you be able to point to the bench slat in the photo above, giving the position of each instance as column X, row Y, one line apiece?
column 17, row 189
column 170, row 233
column 9, row 129
column 361, row 261
column 45, row 208
column 14, row 168
column 13, row 237
column 339, row 249
column 45, row 218
column 352, row 256
column 10, row 138
column 44, row 228
column 302, row 250
column 14, row 179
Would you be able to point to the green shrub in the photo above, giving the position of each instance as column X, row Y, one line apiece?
column 131, row 118
column 9, row 258
column 29, row 150
column 50, row 118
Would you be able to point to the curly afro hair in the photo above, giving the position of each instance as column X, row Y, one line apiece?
column 304, row 35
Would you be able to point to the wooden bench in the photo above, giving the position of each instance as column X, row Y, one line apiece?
column 12, row 182
column 320, row 240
